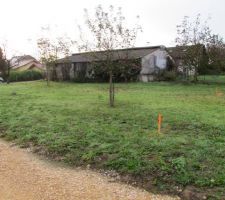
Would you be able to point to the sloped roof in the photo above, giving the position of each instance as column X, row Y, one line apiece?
column 118, row 54
column 29, row 65
column 20, row 61
column 177, row 52
column 24, row 57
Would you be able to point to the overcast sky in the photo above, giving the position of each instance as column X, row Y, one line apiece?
column 21, row 20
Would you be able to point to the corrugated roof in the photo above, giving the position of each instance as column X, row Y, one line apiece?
column 177, row 52
column 130, row 53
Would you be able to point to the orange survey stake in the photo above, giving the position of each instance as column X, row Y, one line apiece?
column 160, row 119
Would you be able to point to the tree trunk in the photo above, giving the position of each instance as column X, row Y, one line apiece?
column 111, row 90
column 186, row 74
column 196, row 76
column 125, row 79
column 8, row 72
column 47, row 75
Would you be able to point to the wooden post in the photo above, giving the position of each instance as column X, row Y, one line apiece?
column 160, row 118
column 111, row 89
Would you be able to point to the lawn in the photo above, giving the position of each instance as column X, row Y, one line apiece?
column 73, row 122
column 212, row 79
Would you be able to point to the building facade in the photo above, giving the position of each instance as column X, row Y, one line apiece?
column 145, row 62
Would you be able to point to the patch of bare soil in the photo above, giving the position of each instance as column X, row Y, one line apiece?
column 23, row 176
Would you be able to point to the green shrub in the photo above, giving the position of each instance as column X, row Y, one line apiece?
column 170, row 76
column 28, row 75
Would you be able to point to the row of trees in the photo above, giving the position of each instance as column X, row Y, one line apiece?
column 204, row 50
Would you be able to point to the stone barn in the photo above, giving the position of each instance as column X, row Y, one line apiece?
column 150, row 60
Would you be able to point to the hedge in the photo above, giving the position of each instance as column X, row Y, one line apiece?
column 28, row 75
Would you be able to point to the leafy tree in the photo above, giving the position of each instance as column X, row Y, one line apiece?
column 216, row 53
column 106, row 31
column 4, row 63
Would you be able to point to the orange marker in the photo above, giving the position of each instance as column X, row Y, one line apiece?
column 218, row 93
column 160, row 119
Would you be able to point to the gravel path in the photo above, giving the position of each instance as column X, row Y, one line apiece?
column 24, row 176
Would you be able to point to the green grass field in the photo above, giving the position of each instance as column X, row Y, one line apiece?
column 73, row 122
column 220, row 79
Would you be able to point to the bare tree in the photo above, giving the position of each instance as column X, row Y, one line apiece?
column 193, row 37
column 48, row 55
column 105, row 32
column 51, row 50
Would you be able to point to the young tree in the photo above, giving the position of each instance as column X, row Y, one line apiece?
column 105, row 32
column 48, row 56
column 193, row 37
column 51, row 50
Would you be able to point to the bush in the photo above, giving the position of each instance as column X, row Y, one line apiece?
column 170, row 75
column 28, row 75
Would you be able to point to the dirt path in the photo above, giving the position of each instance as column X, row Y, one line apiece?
column 23, row 176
